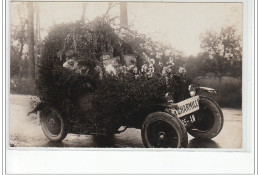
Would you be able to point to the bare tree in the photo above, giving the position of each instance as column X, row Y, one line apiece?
column 110, row 6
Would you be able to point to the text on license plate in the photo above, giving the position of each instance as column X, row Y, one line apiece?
column 188, row 106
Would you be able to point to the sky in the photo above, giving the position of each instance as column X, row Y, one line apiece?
column 177, row 24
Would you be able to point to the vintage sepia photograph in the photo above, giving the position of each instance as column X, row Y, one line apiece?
column 125, row 75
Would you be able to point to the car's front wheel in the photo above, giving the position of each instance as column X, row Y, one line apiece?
column 208, row 120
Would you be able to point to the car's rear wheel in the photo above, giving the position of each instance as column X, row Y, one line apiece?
column 53, row 125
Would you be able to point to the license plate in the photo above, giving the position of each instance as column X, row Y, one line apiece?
column 188, row 106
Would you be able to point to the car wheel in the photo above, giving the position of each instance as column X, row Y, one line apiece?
column 161, row 129
column 53, row 125
column 209, row 119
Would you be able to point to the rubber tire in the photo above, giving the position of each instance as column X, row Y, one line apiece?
column 62, row 133
column 218, row 122
column 173, row 121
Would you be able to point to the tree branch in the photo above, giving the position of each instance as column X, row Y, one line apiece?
column 110, row 6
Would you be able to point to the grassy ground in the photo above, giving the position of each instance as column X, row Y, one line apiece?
column 229, row 90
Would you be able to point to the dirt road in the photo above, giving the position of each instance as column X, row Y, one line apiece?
column 26, row 131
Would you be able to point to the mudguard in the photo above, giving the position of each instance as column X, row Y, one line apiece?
column 211, row 90
column 40, row 106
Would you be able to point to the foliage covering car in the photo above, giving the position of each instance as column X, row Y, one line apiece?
column 80, row 95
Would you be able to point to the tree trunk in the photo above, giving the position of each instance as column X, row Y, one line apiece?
column 20, row 60
column 30, row 30
column 123, row 25
column 37, row 35
column 123, row 15
column 37, row 21
column 84, row 6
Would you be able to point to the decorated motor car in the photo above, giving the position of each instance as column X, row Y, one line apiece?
column 90, row 82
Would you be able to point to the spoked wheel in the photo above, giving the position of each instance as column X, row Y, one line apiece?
column 208, row 120
column 161, row 130
column 162, row 134
column 53, row 125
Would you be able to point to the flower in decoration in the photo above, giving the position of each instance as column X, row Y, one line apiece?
column 135, row 70
column 131, row 67
column 145, row 56
column 157, row 55
column 110, row 69
column 167, row 52
column 123, row 69
column 169, row 69
column 152, row 61
column 144, row 68
column 148, row 48
column 170, row 62
column 164, row 71
column 150, row 71
column 100, row 72
column 182, row 70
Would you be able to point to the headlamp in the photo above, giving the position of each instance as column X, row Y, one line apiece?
column 192, row 90
column 192, row 93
